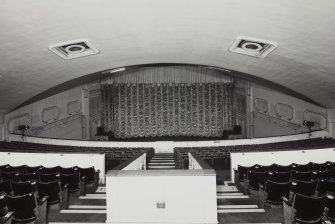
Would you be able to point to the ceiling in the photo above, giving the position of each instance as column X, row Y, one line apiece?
column 131, row 32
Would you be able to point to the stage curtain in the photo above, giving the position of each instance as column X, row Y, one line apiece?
column 148, row 108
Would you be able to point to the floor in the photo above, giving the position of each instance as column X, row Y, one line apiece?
column 233, row 207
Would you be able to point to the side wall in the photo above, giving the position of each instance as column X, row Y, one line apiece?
column 273, row 113
column 58, row 116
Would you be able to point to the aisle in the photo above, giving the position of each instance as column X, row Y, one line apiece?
column 162, row 161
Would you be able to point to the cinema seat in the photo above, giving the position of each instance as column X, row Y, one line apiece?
column 304, row 209
column 21, row 188
column 49, row 177
column 253, row 180
column 91, row 179
column 26, row 209
column 307, row 188
column 5, row 215
column 271, row 195
column 57, row 198
column 75, row 185
column 5, row 187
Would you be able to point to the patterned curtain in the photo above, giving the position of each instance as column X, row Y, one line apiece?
column 167, row 109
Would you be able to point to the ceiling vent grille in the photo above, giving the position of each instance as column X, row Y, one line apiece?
column 74, row 49
column 252, row 46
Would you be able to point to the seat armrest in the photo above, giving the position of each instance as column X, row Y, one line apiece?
column 96, row 178
column 286, row 201
column 325, row 220
column 289, row 212
column 40, row 201
column 65, row 197
column 7, row 219
column 82, row 186
column 262, row 197
column 41, row 210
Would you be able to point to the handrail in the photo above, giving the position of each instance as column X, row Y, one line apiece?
column 202, row 164
column 126, row 163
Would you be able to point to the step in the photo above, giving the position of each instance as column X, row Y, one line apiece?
column 87, row 207
column 246, row 210
column 236, row 206
column 85, row 211
column 161, row 167
column 161, row 163
column 162, row 160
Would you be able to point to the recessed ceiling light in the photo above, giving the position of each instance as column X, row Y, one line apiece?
column 253, row 46
column 74, row 49
column 117, row 70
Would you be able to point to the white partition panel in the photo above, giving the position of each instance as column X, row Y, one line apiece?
column 166, row 196
column 55, row 159
column 281, row 157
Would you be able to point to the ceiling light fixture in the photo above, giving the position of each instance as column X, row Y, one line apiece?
column 252, row 46
column 117, row 70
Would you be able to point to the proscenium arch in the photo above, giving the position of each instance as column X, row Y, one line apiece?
column 102, row 74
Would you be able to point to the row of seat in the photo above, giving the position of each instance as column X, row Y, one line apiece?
column 303, row 202
column 305, row 171
column 37, row 147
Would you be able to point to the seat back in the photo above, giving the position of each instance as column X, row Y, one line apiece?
column 51, row 189
column 23, row 207
column 302, row 167
column 280, row 168
column 5, row 187
column 256, row 178
column 73, row 181
column 325, row 186
column 33, row 169
column 308, row 208
column 88, row 173
column 304, row 187
column 303, row 176
column 28, row 176
column 276, row 190
column 279, row 177
column 50, row 170
column 242, row 171
column 21, row 188
column 48, row 177
column 68, row 170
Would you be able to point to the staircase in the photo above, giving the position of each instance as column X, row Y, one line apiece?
column 162, row 161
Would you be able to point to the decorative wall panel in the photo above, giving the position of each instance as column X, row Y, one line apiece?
column 319, row 119
column 73, row 107
column 284, row 111
column 50, row 114
column 14, row 122
column 261, row 105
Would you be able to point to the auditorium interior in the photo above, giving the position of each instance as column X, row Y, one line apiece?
column 173, row 112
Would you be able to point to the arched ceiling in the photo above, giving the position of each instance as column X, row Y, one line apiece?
column 130, row 32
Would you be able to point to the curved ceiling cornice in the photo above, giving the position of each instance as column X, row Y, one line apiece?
column 99, row 75
column 157, row 31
